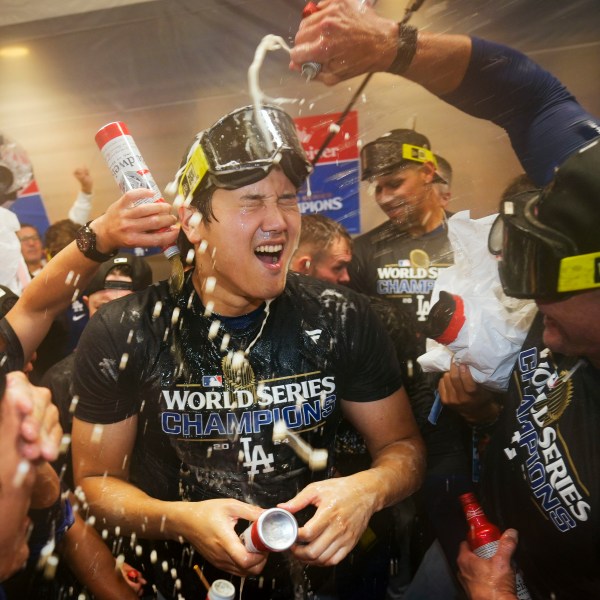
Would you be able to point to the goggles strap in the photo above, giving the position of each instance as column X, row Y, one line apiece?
column 418, row 154
column 580, row 272
column 193, row 172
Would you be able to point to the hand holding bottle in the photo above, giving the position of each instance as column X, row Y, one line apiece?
column 489, row 578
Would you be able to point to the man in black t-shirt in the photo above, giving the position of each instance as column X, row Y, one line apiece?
column 178, row 394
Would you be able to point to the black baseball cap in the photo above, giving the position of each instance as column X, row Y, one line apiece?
column 139, row 271
column 548, row 240
column 394, row 149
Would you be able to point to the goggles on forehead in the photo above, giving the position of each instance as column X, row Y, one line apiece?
column 537, row 261
column 382, row 156
column 241, row 148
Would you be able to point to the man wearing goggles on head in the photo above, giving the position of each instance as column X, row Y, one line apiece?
column 208, row 373
column 541, row 467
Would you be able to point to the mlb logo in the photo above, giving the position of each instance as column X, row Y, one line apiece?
column 404, row 262
column 212, row 380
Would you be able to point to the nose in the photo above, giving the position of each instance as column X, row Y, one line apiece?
column 273, row 218
column 344, row 277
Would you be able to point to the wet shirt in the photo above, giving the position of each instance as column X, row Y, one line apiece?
column 210, row 415
column 11, row 351
column 541, row 471
column 391, row 264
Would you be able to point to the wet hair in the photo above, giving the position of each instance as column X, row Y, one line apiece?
column 59, row 235
column 520, row 183
column 321, row 231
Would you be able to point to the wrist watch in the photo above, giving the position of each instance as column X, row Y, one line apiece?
column 86, row 242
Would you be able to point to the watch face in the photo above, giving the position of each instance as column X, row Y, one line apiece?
column 85, row 239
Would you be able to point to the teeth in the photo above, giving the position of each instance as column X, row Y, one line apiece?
column 270, row 249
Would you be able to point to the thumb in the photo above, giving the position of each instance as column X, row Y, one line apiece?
column 508, row 544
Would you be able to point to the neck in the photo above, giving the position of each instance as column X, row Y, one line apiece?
column 220, row 301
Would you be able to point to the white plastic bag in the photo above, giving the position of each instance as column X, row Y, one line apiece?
column 495, row 325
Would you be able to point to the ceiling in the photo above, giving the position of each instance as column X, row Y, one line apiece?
column 171, row 67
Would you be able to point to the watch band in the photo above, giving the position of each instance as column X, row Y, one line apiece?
column 407, row 46
column 86, row 242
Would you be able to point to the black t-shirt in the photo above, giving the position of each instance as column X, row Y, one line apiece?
column 317, row 344
column 390, row 263
column 541, row 471
column 11, row 351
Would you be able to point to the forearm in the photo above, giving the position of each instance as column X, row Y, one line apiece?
column 115, row 502
column 440, row 62
column 90, row 560
column 396, row 472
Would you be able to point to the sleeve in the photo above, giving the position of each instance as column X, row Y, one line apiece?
column 105, row 375
column 11, row 351
column 544, row 121
column 81, row 208
column 372, row 371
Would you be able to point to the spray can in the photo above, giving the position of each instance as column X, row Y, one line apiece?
column 221, row 589
column 129, row 169
column 275, row 530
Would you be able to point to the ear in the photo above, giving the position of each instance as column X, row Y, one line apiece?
column 190, row 223
column 428, row 169
column 302, row 264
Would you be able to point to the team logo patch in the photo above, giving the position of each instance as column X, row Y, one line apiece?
column 212, row 380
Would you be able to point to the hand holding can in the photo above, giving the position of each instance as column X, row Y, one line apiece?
column 275, row 530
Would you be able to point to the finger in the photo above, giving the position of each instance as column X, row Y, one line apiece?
column 466, row 379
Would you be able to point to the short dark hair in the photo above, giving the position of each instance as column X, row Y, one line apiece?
column 444, row 168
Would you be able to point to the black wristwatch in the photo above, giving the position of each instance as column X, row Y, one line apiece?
column 86, row 242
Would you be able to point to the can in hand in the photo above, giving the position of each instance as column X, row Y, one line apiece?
column 275, row 530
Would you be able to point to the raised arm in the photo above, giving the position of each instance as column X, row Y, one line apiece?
column 491, row 81
column 123, row 225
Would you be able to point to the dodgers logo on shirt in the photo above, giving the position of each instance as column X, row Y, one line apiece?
column 212, row 380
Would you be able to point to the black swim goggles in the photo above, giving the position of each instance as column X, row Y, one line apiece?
column 241, row 148
column 385, row 155
column 537, row 261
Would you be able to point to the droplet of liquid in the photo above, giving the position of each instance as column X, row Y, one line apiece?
column 156, row 310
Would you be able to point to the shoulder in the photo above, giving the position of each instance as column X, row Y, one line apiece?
column 305, row 290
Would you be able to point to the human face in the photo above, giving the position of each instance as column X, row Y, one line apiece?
column 332, row 264
column 250, row 243
column 15, row 496
column 572, row 326
column 407, row 197
column 31, row 246
column 101, row 297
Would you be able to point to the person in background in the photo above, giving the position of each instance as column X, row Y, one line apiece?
column 241, row 330
column 32, row 248
column 82, row 207
column 541, row 467
column 324, row 250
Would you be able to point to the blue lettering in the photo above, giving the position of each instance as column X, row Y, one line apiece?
column 214, row 424
column 175, row 418
column 192, row 422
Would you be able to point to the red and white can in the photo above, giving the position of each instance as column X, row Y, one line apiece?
column 127, row 165
column 275, row 530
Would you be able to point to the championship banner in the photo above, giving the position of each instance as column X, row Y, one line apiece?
column 332, row 188
column 29, row 208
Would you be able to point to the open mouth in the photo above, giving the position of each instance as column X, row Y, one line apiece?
column 269, row 254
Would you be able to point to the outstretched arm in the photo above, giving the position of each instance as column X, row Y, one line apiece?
column 491, row 81
column 122, row 225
